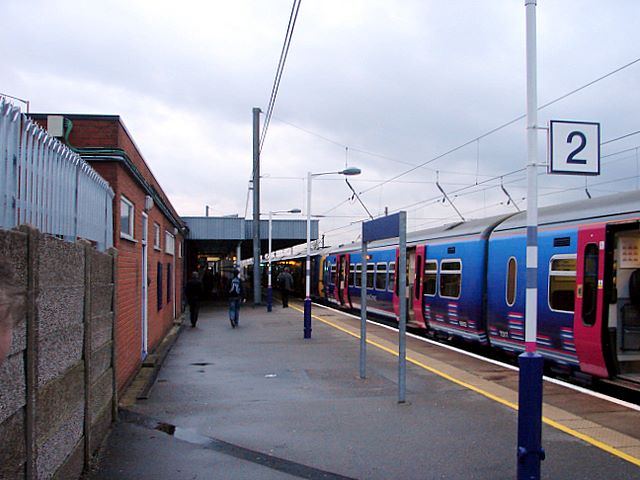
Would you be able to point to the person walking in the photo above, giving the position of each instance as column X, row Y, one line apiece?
column 235, row 297
column 194, row 292
column 285, row 281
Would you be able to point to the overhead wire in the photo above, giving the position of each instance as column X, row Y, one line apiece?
column 500, row 127
column 276, row 83
column 283, row 58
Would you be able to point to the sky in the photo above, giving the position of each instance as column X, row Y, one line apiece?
column 385, row 86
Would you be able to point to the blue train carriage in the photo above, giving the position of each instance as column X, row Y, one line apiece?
column 587, row 305
column 452, row 279
column 380, row 279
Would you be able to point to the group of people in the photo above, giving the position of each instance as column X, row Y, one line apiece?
column 194, row 292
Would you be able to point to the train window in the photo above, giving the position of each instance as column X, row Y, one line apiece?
column 381, row 276
column 333, row 274
column 512, row 270
column 450, row 278
column 370, row 271
column 562, row 283
column 392, row 276
column 352, row 270
column 590, row 291
column 430, row 277
column 359, row 275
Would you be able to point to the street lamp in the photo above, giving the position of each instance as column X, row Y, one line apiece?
column 269, row 290
column 307, row 298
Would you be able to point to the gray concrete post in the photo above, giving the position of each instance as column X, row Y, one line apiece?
column 86, row 353
column 31, row 371
column 114, row 308
column 257, row 289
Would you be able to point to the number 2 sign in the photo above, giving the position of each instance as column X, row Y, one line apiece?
column 574, row 148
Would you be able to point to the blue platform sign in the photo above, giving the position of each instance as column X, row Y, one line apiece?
column 385, row 227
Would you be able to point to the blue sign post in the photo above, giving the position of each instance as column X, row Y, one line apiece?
column 387, row 227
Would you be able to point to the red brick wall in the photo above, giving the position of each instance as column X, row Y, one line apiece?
column 129, row 288
column 109, row 132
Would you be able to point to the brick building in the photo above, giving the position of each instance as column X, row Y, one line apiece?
column 148, row 235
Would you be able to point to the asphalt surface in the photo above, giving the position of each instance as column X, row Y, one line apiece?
column 261, row 402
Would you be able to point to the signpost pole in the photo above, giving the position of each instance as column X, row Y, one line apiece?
column 530, row 451
column 363, row 311
column 402, row 296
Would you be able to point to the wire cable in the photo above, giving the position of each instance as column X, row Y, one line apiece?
column 283, row 58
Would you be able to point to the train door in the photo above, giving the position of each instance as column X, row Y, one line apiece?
column 623, row 300
column 410, row 274
column 342, row 281
column 418, row 313
column 589, row 326
column 321, row 278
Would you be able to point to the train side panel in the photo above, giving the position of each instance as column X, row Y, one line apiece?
column 379, row 281
column 556, row 293
column 453, row 286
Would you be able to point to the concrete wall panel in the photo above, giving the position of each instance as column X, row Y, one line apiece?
column 100, row 394
column 101, row 298
column 13, row 451
column 101, row 268
column 101, row 330
column 58, row 400
column 100, row 362
column 48, row 401
column 61, row 263
column 53, row 452
column 12, row 393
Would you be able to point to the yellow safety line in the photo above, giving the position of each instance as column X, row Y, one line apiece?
column 514, row 406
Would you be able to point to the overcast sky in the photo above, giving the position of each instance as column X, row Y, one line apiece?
column 380, row 85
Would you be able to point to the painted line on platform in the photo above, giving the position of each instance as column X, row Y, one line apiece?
column 552, row 423
column 435, row 343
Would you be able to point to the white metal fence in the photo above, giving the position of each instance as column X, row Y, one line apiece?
column 45, row 184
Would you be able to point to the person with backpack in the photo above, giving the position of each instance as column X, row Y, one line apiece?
column 235, row 298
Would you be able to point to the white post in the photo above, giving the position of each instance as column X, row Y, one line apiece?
column 530, row 451
column 269, row 289
column 307, row 298
column 531, row 310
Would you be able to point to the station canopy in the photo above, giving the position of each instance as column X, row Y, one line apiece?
column 220, row 236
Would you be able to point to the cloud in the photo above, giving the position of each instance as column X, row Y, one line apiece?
column 406, row 81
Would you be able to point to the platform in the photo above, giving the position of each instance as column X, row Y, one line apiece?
column 260, row 401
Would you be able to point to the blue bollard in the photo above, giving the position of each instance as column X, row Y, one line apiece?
column 530, row 451
column 307, row 318
column 269, row 298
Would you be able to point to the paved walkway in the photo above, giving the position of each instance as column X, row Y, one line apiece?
column 260, row 402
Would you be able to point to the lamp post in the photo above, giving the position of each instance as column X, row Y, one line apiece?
column 307, row 298
column 269, row 289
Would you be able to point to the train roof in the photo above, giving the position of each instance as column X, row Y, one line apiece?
column 617, row 206
column 478, row 227
column 588, row 210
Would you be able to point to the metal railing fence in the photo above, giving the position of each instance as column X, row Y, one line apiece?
column 45, row 184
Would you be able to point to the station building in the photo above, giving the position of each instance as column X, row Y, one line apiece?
column 148, row 235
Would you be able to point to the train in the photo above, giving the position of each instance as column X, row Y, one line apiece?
column 466, row 281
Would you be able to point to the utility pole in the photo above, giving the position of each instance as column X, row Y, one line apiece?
column 257, row 290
